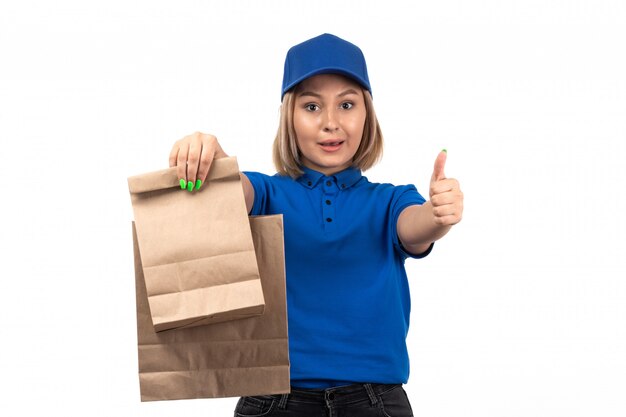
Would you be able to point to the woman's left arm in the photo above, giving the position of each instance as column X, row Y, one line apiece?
column 420, row 226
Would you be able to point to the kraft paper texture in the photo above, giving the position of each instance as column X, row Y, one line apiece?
column 197, row 252
column 234, row 358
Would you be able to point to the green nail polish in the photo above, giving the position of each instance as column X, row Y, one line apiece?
column 198, row 184
column 445, row 150
column 183, row 184
column 190, row 186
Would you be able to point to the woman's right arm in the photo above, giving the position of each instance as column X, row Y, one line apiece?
column 193, row 155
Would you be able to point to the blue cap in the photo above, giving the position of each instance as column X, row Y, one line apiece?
column 324, row 54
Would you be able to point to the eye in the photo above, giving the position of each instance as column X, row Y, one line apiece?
column 347, row 105
column 311, row 107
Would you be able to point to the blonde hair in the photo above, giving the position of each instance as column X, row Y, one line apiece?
column 286, row 153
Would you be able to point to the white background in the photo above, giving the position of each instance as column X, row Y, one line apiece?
column 519, row 311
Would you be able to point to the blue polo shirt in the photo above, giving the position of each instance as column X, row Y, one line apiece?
column 348, row 297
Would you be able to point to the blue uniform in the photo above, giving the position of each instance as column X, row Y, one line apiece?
column 348, row 298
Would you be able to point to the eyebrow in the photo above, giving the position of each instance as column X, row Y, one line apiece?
column 312, row 94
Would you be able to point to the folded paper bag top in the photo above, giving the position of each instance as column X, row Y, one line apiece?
column 224, row 169
column 197, row 252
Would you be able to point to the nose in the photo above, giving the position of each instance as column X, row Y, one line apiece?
column 330, row 122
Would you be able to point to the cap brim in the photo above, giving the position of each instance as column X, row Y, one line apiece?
column 328, row 70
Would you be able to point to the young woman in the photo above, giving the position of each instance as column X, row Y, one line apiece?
column 346, row 239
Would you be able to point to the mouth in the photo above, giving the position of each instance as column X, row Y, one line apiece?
column 331, row 145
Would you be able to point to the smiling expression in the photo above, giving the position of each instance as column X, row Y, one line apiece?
column 329, row 117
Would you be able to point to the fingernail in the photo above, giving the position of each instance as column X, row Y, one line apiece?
column 190, row 186
column 444, row 150
column 183, row 184
column 198, row 184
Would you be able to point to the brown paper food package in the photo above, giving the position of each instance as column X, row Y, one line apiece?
column 234, row 358
column 197, row 251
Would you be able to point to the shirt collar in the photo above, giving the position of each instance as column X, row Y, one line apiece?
column 344, row 179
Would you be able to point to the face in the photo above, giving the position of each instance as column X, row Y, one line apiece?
column 329, row 117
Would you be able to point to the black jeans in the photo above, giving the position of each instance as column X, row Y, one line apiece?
column 358, row 400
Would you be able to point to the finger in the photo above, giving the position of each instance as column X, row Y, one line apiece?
column 193, row 160
column 206, row 158
column 449, row 220
column 441, row 199
column 450, row 213
column 454, row 209
column 440, row 164
column 181, row 163
column 444, row 210
column 444, row 186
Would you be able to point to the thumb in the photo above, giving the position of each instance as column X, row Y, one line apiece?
column 440, row 164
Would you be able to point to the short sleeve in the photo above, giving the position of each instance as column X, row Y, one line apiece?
column 260, row 184
column 403, row 197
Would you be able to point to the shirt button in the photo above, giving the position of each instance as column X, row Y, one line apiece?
column 331, row 396
column 343, row 185
column 328, row 219
column 328, row 202
column 309, row 183
column 328, row 183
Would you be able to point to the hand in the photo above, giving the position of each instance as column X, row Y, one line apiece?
column 193, row 156
column 445, row 194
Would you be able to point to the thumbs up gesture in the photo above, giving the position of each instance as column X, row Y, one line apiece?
column 445, row 194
